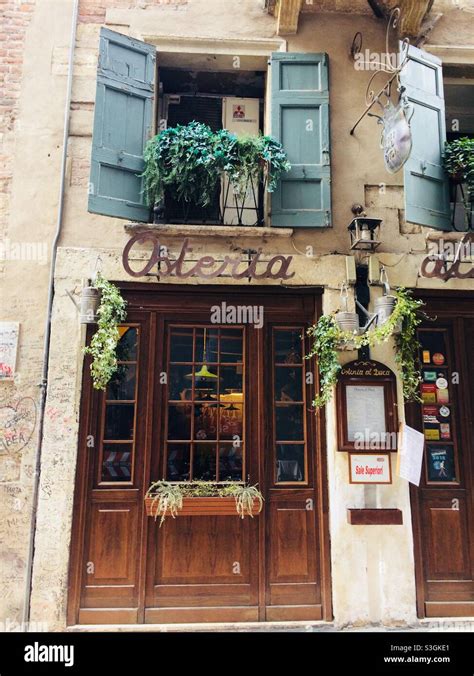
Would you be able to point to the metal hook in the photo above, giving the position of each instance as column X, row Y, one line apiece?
column 384, row 281
column 344, row 296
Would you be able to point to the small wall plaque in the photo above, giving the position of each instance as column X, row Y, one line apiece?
column 370, row 468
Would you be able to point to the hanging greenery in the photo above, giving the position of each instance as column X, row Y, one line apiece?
column 190, row 160
column 458, row 162
column 328, row 336
column 104, row 342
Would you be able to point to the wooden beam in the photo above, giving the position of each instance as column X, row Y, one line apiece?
column 288, row 15
column 412, row 15
column 378, row 8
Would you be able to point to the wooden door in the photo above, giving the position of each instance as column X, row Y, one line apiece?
column 246, row 416
column 443, row 515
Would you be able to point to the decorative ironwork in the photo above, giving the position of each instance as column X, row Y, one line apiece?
column 383, row 96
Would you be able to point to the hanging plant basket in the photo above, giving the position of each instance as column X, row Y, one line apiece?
column 213, row 506
column 384, row 307
column 90, row 299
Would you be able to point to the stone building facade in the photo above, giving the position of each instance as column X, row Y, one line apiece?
column 371, row 572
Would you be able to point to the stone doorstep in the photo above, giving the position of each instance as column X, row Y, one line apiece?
column 274, row 627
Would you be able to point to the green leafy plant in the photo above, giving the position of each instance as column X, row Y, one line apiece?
column 189, row 161
column 458, row 161
column 255, row 159
column 104, row 342
column 167, row 497
column 328, row 337
column 245, row 498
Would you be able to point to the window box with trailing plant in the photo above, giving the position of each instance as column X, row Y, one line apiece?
column 186, row 164
column 202, row 498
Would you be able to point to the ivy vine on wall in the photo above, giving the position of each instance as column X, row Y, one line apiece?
column 328, row 337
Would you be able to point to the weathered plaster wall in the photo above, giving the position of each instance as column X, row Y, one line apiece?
column 380, row 586
column 33, row 98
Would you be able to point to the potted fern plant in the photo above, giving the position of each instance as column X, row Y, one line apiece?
column 186, row 163
column 202, row 498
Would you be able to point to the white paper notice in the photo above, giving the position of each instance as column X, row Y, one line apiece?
column 410, row 454
column 8, row 349
column 365, row 411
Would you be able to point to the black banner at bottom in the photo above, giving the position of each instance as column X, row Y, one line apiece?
column 308, row 647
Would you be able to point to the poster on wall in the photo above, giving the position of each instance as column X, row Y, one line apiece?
column 9, row 332
column 440, row 463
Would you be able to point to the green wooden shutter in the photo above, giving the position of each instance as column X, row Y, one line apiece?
column 426, row 184
column 300, row 121
column 122, row 124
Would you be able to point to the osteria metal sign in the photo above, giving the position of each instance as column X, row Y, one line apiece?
column 161, row 263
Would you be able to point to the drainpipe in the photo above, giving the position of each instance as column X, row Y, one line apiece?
column 47, row 328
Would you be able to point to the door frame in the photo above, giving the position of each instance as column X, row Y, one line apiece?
column 448, row 303
column 144, row 296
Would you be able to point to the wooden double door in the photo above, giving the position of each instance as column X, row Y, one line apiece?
column 213, row 385
column 443, row 505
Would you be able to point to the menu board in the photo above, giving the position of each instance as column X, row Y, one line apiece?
column 365, row 411
column 8, row 349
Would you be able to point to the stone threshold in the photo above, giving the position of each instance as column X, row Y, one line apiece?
column 222, row 231
column 296, row 626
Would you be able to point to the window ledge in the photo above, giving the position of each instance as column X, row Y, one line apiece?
column 447, row 236
column 224, row 231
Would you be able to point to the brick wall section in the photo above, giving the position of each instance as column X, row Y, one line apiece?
column 93, row 11
column 15, row 16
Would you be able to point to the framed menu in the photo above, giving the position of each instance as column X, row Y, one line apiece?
column 366, row 407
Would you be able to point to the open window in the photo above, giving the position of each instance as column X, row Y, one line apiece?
column 459, row 96
column 139, row 94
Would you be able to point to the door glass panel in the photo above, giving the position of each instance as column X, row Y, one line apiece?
column 289, row 417
column 212, row 384
column 289, row 423
column 116, row 464
column 119, row 423
column 179, row 456
column 128, row 343
column 181, row 345
column 205, row 421
column 204, row 462
column 230, row 462
column 288, row 384
column 123, row 382
column 288, row 346
column 179, row 421
column 290, row 462
column 438, row 407
column 180, row 383
column 117, row 446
